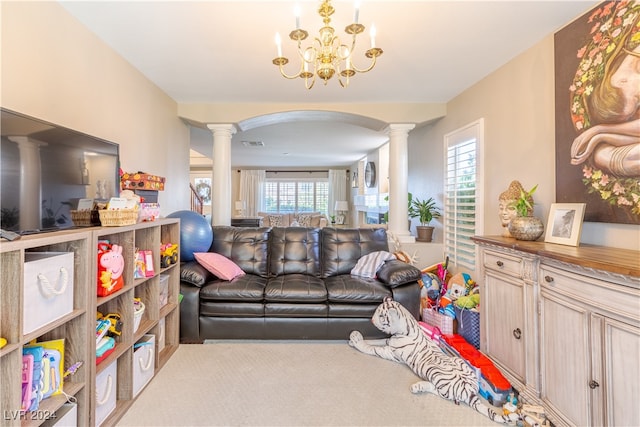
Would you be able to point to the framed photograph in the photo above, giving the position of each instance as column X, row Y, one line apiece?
column 565, row 223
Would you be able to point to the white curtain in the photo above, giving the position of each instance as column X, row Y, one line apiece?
column 337, row 188
column 251, row 190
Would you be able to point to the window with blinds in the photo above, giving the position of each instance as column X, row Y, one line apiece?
column 285, row 196
column 461, row 210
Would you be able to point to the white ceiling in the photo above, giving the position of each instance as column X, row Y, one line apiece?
column 221, row 51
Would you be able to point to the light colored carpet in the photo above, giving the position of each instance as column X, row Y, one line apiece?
column 289, row 383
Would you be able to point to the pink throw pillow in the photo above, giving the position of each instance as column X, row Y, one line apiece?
column 221, row 266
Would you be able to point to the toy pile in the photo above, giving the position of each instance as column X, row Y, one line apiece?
column 42, row 372
column 440, row 290
column 445, row 297
column 108, row 327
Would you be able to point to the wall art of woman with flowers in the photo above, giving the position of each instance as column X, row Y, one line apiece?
column 604, row 111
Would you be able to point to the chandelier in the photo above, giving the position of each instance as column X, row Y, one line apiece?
column 327, row 55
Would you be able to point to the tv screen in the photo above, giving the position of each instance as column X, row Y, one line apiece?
column 46, row 169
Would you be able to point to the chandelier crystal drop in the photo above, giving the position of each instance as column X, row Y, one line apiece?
column 327, row 55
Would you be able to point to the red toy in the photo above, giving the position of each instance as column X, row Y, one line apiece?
column 110, row 269
column 493, row 386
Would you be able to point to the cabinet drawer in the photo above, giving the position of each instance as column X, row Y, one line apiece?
column 496, row 261
column 618, row 300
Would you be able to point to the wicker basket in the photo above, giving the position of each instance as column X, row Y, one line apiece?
column 81, row 218
column 118, row 217
column 138, row 311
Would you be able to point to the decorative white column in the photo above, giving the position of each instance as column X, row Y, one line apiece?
column 221, row 176
column 30, row 176
column 398, row 177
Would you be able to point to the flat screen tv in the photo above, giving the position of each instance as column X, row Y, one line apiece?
column 46, row 169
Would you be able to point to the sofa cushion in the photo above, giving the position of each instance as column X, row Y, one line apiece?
column 247, row 247
column 294, row 288
column 294, row 250
column 276, row 221
column 395, row 273
column 368, row 265
column 343, row 247
column 192, row 272
column 309, row 219
column 353, row 310
column 353, row 289
column 316, row 219
column 221, row 266
column 231, row 309
column 279, row 309
column 245, row 288
column 272, row 219
column 304, row 220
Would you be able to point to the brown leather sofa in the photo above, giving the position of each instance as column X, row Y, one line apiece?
column 297, row 285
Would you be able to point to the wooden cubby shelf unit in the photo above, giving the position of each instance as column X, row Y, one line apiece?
column 78, row 327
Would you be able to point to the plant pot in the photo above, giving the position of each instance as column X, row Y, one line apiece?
column 425, row 233
column 526, row 228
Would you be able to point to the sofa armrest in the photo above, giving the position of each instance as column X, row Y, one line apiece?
column 189, row 313
column 395, row 273
column 409, row 296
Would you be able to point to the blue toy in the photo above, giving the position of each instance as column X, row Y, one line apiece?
column 196, row 234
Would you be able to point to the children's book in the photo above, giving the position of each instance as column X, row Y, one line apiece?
column 27, row 380
column 36, row 352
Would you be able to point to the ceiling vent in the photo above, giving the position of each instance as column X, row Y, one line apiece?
column 253, row 143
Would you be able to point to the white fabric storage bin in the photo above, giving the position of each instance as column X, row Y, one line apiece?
column 48, row 288
column 143, row 362
column 65, row 416
column 106, row 392
column 161, row 334
column 164, row 289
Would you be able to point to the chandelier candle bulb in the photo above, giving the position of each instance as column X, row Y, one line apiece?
column 373, row 36
column 356, row 13
column 279, row 45
column 296, row 12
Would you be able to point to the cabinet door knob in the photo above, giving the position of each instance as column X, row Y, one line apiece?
column 517, row 333
column 499, row 263
column 593, row 384
column 548, row 279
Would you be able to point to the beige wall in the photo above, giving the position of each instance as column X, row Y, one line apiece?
column 517, row 104
column 54, row 69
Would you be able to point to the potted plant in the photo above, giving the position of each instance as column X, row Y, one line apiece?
column 525, row 226
column 425, row 211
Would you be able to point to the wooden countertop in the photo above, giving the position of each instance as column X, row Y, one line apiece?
column 613, row 260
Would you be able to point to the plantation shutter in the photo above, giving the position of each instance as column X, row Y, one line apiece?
column 462, row 196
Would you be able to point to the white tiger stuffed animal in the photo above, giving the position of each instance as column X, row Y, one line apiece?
column 446, row 376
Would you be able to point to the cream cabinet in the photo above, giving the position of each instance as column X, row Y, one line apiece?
column 578, row 351
column 508, row 330
column 160, row 320
column 590, row 346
